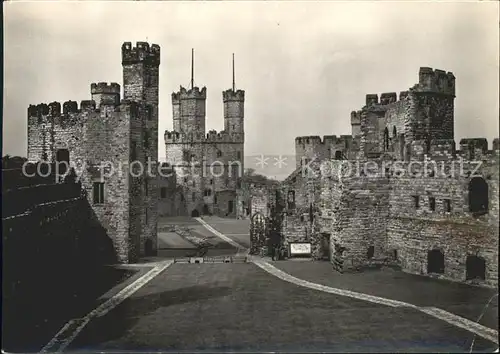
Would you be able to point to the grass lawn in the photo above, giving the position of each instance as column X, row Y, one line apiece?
column 239, row 307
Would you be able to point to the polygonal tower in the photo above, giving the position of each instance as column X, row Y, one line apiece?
column 234, row 108
column 189, row 108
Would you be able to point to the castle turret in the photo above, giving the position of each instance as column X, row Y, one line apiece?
column 176, row 111
column 102, row 93
column 191, row 103
column 435, row 93
column 234, row 108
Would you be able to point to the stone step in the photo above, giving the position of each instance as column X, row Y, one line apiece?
column 218, row 259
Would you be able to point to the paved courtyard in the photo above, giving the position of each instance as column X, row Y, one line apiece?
column 242, row 307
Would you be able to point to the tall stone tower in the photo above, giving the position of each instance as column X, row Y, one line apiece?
column 140, row 85
column 188, row 107
column 234, row 108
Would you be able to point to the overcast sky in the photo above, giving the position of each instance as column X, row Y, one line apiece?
column 304, row 65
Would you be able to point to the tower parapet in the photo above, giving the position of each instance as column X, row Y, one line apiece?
column 104, row 93
column 230, row 95
column 192, row 93
column 388, row 98
column 142, row 52
column 436, row 81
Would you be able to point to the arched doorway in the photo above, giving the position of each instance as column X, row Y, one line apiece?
column 478, row 196
column 62, row 160
column 148, row 247
column 195, row 213
column 435, row 262
column 475, row 268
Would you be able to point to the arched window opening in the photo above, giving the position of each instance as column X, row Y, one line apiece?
column 478, row 196
column 394, row 133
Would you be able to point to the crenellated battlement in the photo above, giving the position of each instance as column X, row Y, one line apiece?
column 388, row 98
column 211, row 137
column 104, row 87
column 176, row 97
column 193, row 93
column 473, row 144
column 230, row 95
column 355, row 118
column 141, row 52
column 435, row 80
column 317, row 140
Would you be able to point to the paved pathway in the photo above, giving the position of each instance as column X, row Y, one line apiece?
column 258, row 307
column 453, row 319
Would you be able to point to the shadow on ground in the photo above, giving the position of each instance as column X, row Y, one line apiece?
column 127, row 314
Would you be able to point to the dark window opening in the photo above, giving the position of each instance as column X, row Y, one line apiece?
column 432, row 203
column 416, row 201
column 163, row 192
column 338, row 155
column 394, row 132
column 475, row 268
column 219, row 153
column 133, row 154
column 435, row 262
column 211, row 181
column 98, row 192
column 62, row 158
column 478, row 196
column 395, row 255
column 386, row 139
column 238, row 154
column 230, row 206
column 302, row 218
column 291, row 200
column 370, row 252
column 447, row 205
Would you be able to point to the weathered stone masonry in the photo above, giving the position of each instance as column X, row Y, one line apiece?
column 428, row 224
column 207, row 166
column 106, row 134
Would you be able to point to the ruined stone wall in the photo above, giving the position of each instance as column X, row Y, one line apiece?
column 414, row 230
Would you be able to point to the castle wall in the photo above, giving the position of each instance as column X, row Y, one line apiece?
column 413, row 231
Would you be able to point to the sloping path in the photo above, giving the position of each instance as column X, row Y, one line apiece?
column 455, row 320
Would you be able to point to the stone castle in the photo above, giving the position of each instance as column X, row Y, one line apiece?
column 440, row 220
column 110, row 129
column 104, row 137
column 206, row 167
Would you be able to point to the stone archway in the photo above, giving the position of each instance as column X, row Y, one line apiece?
column 435, row 261
column 62, row 160
column 475, row 268
column 195, row 213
